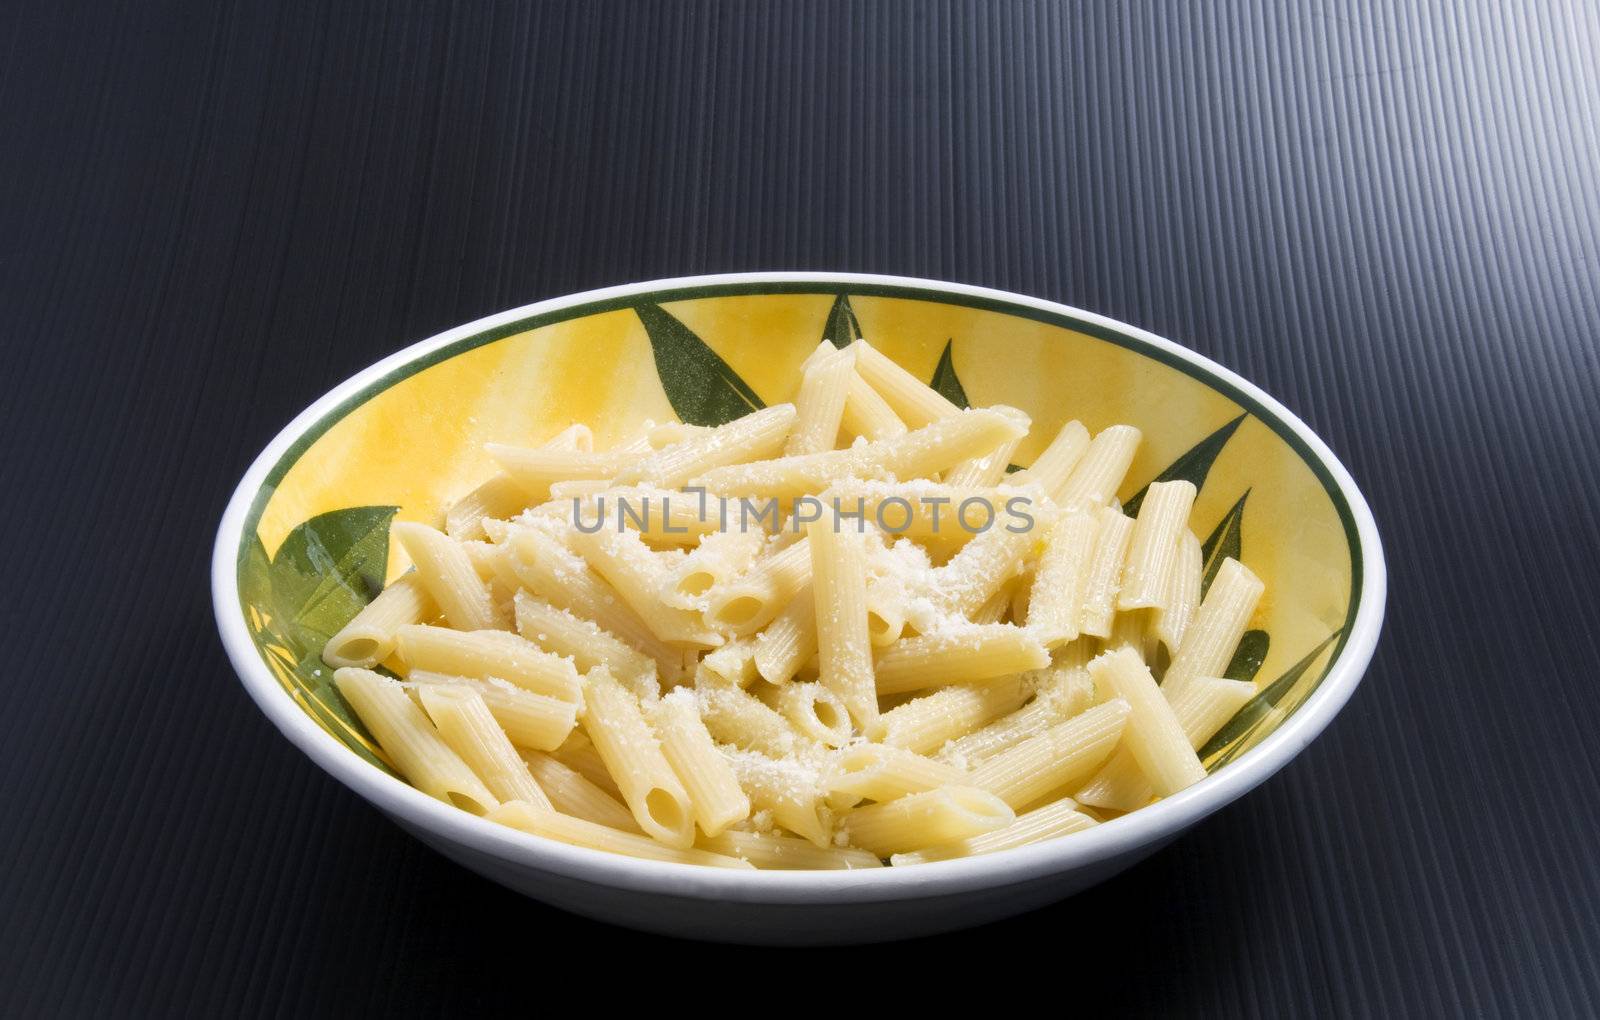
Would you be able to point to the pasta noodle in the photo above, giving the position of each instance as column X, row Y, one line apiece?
column 825, row 635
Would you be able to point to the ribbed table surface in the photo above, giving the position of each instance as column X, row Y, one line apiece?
column 1387, row 215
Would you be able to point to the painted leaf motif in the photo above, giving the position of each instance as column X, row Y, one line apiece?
column 945, row 381
column 313, row 679
column 1192, row 466
column 327, row 570
column 255, row 582
column 1225, row 542
column 1256, row 708
column 701, row 387
column 1249, row 656
column 842, row 328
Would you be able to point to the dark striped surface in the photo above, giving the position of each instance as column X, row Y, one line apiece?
column 1386, row 215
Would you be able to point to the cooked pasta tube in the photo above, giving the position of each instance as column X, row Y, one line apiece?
column 961, row 654
column 410, row 740
column 488, row 653
column 1181, row 599
column 881, row 772
column 770, row 851
column 790, row 640
column 926, row 723
column 787, row 789
column 1219, row 623
column 839, row 589
column 1103, row 577
column 573, row 794
column 369, row 637
column 1099, row 472
column 1052, row 760
column 756, row 436
column 1055, row 602
column 750, row 602
column 819, row 406
column 628, row 565
column 1202, row 708
column 927, row 819
column 1154, row 735
column 561, row 632
column 540, row 821
column 1153, row 550
column 1055, row 819
column 914, row 401
column 633, row 756
column 867, row 414
column 464, row 721
column 447, row 575
column 1050, row 470
column 530, row 720
column 714, row 792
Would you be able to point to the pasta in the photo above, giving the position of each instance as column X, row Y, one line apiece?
column 839, row 633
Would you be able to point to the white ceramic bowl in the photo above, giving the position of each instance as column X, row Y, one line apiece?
column 802, row 907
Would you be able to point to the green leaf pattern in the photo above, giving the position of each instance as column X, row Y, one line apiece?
column 324, row 573
column 702, row 388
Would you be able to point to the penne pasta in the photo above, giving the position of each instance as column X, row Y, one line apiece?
column 756, row 436
column 815, row 712
column 768, row 850
column 572, row 793
column 1103, row 578
column 913, row 401
column 1154, row 736
column 1202, row 708
column 927, row 819
column 750, row 603
column 1056, row 594
column 867, row 414
column 1051, row 469
column 714, row 792
column 958, row 655
column 632, row 755
column 463, row 720
column 1059, row 818
column 927, row 723
column 547, row 569
column 839, row 589
column 739, row 718
column 921, row 452
column 1153, row 549
column 1219, row 623
column 530, row 720
column 811, row 637
column 790, row 640
column 560, row 632
column 1181, row 598
column 819, row 407
column 489, row 653
column 369, row 637
column 1099, row 472
column 1063, row 754
column 881, row 772
column 632, row 570
column 410, row 740
column 446, row 573
column 788, row 791
column 541, row 821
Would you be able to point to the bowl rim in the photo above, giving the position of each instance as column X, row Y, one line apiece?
column 1147, row 827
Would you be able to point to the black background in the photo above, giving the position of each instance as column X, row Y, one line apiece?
column 1386, row 215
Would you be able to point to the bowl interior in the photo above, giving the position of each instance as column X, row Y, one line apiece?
column 316, row 546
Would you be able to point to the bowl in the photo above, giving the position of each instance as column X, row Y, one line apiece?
column 305, row 542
